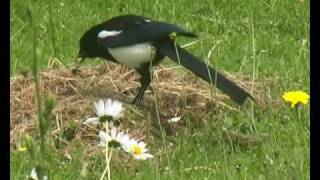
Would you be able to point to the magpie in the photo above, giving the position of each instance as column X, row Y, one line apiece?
column 141, row 43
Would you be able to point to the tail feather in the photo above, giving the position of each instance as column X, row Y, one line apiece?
column 207, row 73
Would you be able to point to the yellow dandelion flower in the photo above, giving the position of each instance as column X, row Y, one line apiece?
column 296, row 97
column 21, row 149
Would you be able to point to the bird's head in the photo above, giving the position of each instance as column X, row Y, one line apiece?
column 87, row 47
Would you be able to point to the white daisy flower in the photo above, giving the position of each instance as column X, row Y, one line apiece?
column 106, row 110
column 174, row 119
column 115, row 139
column 34, row 176
column 137, row 149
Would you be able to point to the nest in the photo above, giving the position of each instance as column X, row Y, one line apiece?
column 174, row 94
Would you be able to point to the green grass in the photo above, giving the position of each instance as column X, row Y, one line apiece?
column 264, row 39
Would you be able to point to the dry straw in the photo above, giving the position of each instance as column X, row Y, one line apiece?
column 178, row 94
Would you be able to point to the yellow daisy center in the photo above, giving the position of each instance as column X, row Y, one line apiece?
column 136, row 149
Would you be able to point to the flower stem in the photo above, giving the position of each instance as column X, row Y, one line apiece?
column 108, row 157
column 298, row 110
column 104, row 173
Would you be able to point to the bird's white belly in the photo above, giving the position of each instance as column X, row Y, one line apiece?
column 133, row 55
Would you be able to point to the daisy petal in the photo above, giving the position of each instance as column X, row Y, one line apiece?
column 92, row 121
column 113, row 132
column 100, row 109
column 103, row 136
column 142, row 144
column 33, row 174
column 143, row 156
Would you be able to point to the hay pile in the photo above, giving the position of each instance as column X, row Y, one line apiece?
column 176, row 94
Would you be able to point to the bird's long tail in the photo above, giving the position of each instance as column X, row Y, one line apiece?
column 204, row 71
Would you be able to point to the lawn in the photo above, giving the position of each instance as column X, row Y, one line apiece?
column 266, row 41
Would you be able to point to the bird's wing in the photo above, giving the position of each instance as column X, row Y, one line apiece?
column 142, row 32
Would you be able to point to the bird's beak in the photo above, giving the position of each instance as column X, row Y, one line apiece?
column 78, row 60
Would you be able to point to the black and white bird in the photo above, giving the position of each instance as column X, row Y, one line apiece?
column 141, row 43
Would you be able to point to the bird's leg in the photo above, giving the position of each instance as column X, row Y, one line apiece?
column 144, row 81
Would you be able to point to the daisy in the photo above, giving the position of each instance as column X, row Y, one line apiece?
column 137, row 149
column 174, row 119
column 34, row 176
column 115, row 139
column 106, row 110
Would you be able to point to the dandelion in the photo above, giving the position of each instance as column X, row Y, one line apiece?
column 22, row 148
column 107, row 111
column 137, row 149
column 296, row 97
column 114, row 139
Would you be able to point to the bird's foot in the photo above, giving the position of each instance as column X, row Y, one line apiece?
column 137, row 102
